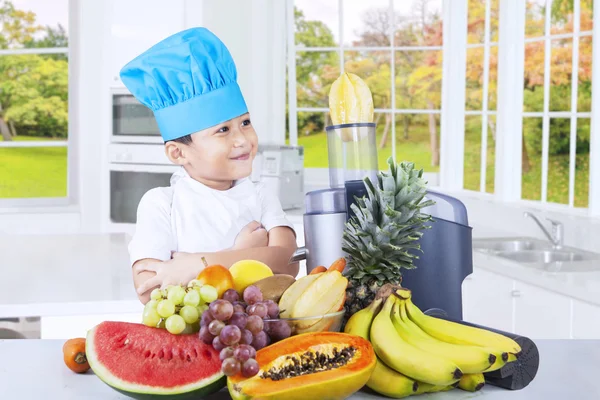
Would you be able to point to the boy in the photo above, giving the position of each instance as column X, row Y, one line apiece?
column 211, row 209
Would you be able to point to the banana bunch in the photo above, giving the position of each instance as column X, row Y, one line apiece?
column 418, row 354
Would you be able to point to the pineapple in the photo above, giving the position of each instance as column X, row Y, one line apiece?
column 387, row 225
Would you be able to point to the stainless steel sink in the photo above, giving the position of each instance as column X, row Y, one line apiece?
column 510, row 244
column 539, row 254
column 544, row 256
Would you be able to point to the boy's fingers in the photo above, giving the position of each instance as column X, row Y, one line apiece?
column 252, row 226
column 151, row 283
column 145, row 267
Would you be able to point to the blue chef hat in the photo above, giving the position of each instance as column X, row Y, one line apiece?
column 188, row 80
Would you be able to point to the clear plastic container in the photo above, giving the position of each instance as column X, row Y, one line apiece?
column 352, row 152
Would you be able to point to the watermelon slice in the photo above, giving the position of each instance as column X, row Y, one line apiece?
column 144, row 362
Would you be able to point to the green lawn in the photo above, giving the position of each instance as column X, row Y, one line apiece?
column 42, row 171
column 33, row 172
column 531, row 183
column 415, row 149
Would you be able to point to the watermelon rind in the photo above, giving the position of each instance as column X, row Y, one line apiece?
column 197, row 389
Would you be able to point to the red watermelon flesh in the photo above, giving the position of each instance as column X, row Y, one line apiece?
column 135, row 358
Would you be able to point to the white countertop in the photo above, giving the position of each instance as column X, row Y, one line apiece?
column 584, row 286
column 85, row 274
column 50, row 275
column 34, row 369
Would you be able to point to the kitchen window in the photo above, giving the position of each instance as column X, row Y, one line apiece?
column 34, row 91
column 516, row 117
column 557, row 102
column 528, row 127
column 395, row 46
column 481, row 75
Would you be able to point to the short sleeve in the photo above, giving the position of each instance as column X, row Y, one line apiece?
column 153, row 236
column 272, row 213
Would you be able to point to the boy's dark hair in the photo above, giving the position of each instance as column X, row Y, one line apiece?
column 187, row 140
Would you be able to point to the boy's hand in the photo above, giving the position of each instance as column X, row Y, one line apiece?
column 178, row 271
column 251, row 236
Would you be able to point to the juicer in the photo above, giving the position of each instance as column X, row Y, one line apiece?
column 445, row 258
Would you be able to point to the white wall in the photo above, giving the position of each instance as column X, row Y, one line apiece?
column 490, row 218
column 255, row 36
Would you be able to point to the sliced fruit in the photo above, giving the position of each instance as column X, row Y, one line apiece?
column 291, row 295
column 324, row 323
column 216, row 276
column 139, row 361
column 350, row 101
column 272, row 287
column 291, row 370
column 248, row 272
column 321, row 296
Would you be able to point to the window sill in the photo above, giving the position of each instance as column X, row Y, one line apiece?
column 529, row 205
column 41, row 209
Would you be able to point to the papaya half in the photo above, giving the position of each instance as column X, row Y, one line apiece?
column 324, row 365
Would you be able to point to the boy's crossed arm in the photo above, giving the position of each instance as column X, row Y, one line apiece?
column 274, row 248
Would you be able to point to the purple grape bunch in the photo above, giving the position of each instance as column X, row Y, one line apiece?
column 236, row 328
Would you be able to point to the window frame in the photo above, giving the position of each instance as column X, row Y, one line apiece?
column 509, row 109
column 293, row 109
column 26, row 204
column 509, row 104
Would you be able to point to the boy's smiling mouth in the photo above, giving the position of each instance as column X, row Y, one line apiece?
column 242, row 157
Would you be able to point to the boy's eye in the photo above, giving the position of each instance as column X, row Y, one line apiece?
column 246, row 122
column 223, row 129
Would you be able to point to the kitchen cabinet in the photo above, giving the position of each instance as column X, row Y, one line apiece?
column 586, row 321
column 488, row 301
column 540, row 313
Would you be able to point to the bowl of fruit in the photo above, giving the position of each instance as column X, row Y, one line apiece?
column 281, row 328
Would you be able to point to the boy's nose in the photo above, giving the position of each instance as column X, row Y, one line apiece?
column 239, row 138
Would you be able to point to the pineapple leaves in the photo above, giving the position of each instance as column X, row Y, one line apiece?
column 383, row 236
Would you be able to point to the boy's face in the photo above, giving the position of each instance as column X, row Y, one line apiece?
column 219, row 154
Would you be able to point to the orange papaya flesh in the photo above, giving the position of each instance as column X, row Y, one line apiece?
column 324, row 365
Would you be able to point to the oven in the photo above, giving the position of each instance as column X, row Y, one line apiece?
column 132, row 122
column 134, row 169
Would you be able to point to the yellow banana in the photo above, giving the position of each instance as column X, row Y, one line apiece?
column 428, row 388
column 470, row 359
column 453, row 332
column 359, row 324
column 471, row 382
column 384, row 380
column 501, row 361
column 390, row 383
column 405, row 358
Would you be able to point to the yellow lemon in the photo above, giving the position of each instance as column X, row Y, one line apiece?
column 247, row 272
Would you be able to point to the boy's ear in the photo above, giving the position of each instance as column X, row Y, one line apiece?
column 175, row 153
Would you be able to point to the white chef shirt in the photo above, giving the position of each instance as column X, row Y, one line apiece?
column 191, row 217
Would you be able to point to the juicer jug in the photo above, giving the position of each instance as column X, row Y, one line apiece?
column 352, row 156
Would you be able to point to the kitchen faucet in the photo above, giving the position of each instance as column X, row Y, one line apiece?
column 556, row 237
